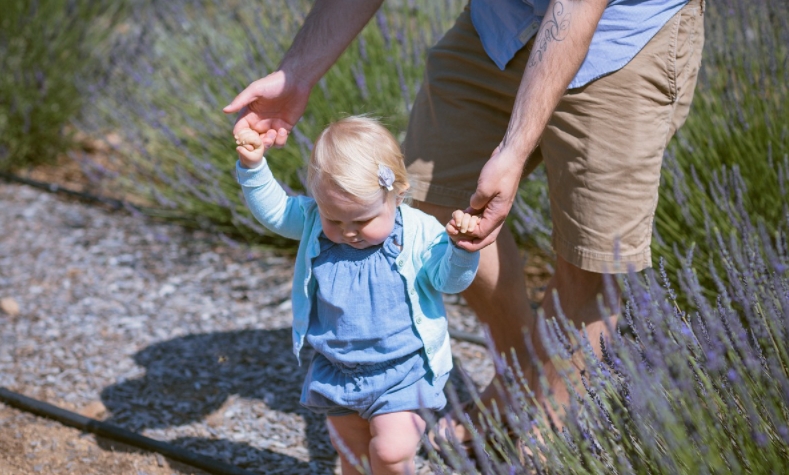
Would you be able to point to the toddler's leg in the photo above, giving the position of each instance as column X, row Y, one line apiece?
column 354, row 436
column 395, row 440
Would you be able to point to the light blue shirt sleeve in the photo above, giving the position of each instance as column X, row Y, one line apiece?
column 450, row 269
column 269, row 203
column 447, row 268
column 504, row 27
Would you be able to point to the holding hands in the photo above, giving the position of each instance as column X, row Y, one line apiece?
column 251, row 146
column 462, row 226
column 497, row 187
column 272, row 103
column 479, row 225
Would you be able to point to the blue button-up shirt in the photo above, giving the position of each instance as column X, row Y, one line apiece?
column 504, row 26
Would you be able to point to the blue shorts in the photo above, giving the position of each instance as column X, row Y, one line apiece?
column 370, row 390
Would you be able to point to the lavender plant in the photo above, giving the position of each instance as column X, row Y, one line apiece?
column 46, row 48
column 738, row 124
column 696, row 377
column 180, row 62
column 679, row 389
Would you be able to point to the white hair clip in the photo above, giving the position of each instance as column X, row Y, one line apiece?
column 386, row 177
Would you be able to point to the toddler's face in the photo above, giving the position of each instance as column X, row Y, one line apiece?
column 358, row 225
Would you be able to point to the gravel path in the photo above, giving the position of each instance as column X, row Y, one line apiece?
column 178, row 335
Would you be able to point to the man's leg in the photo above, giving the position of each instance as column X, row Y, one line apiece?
column 498, row 293
column 603, row 166
column 578, row 291
column 498, row 297
column 619, row 151
column 449, row 139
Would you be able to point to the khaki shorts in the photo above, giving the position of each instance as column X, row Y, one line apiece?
column 603, row 147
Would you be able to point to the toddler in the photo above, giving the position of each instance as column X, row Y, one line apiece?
column 367, row 287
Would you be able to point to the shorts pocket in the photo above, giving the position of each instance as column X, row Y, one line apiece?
column 682, row 55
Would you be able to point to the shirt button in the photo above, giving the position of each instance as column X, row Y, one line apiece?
column 399, row 263
column 418, row 320
column 428, row 351
column 412, row 292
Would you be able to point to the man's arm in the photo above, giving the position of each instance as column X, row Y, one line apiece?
column 559, row 49
column 278, row 100
column 328, row 29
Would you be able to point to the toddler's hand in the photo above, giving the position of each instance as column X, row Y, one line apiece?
column 251, row 146
column 462, row 225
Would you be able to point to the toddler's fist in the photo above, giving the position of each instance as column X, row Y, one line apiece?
column 462, row 225
column 251, row 146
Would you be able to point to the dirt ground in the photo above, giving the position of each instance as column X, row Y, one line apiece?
column 35, row 445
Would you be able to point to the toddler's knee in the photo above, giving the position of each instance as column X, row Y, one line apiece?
column 391, row 451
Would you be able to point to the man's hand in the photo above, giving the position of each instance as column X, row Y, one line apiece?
column 496, row 189
column 277, row 101
column 462, row 225
column 273, row 103
column 251, row 146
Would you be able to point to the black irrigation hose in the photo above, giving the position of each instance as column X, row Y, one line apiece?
column 119, row 434
column 469, row 337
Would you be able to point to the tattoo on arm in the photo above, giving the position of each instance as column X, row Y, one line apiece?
column 556, row 28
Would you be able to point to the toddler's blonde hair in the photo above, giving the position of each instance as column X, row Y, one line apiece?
column 347, row 154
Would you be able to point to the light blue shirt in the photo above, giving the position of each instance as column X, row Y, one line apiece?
column 429, row 263
column 360, row 314
column 504, row 27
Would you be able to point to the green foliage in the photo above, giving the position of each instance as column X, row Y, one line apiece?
column 180, row 63
column 679, row 389
column 46, row 47
column 694, row 385
column 738, row 127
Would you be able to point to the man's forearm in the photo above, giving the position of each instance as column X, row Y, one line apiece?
column 559, row 49
column 327, row 31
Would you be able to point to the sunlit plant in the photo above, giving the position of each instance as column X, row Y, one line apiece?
column 694, row 380
column 680, row 388
column 179, row 63
column 738, row 128
column 46, row 48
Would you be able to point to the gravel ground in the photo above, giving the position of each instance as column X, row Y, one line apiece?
column 181, row 336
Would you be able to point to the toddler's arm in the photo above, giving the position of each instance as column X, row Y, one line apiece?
column 451, row 269
column 264, row 196
column 462, row 225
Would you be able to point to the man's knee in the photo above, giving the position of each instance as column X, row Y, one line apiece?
column 569, row 275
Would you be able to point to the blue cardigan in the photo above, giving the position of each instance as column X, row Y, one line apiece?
column 429, row 262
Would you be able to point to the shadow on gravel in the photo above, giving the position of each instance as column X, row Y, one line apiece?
column 188, row 379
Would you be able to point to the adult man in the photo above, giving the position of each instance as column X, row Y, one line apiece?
column 594, row 88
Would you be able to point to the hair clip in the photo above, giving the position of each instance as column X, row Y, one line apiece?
column 386, row 177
